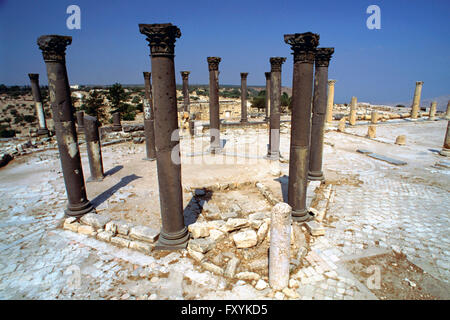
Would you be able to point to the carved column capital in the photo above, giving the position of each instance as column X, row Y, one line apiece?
column 267, row 74
column 323, row 56
column 275, row 63
column 147, row 75
column 54, row 47
column 161, row 38
column 244, row 75
column 331, row 82
column 304, row 45
column 34, row 76
column 185, row 74
column 213, row 63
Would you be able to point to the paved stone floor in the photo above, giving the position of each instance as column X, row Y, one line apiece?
column 374, row 207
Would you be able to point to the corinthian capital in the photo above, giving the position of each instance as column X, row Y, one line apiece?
column 213, row 63
column 303, row 45
column 275, row 63
column 54, row 47
column 161, row 38
column 33, row 76
column 147, row 75
column 244, row 75
column 323, row 56
column 185, row 74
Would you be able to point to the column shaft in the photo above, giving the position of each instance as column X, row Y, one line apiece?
column 353, row 105
column 447, row 113
column 149, row 119
column 432, row 115
column 275, row 105
column 446, row 147
column 94, row 150
column 186, row 102
column 267, row 96
column 214, row 114
column 416, row 100
column 36, row 91
column 117, row 126
column 330, row 101
column 244, row 97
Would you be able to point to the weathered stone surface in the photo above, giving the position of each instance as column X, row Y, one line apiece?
column 197, row 256
column 235, row 224
column 211, row 211
column 341, row 124
column 121, row 241
column 202, row 245
column 262, row 232
column 261, row 285
column 73, row 226
column 245, row 239
column 199, row 230
column 216, row 224
column 259, row 264
column 212, row 267
column 87, row 230
column 400, row 140
column 144, row 233
column 105, row 236
column 95, row 220
column 314, row 228
column 257, row 216
column 255, row 224
column 228, row 215
column 119, row 226
column 290, row 293
column 216, row 235
column 372, row 132
column 231, row 268
column 141, row 246
column 247, row 275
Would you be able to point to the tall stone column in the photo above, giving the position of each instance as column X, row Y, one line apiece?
column 80, row 120
column 304, row 47
column 214, row 115
column 149, row 119
column 36, row 91
column 161, row 38
column 374, row 117
column 433, row 107
column 447, row 113
column 330, row 101
column 267, row 74
column 94, row 150
column 186, row 103
column 117, row 126
column 244, row 97
column 322, row 60
column 353, row 105
column 53, row 50
column 446, row 147
column 416, row 101
column 275, row 106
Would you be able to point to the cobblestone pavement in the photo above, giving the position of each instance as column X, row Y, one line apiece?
column 378, row 208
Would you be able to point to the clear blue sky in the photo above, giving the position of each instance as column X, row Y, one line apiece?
column 374, row 65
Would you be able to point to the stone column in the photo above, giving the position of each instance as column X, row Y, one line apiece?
column 446, row 147
column 80, row 120
column 244, row 97
column 352, row 117
column 304, row 47
column 374, row 117
column 280, row 244
column 36, row 91
column 275, row 106
column 93, row 148
column 267, row 74
column 117, row 126
column 416, row 101
column 186, row 103
column 322, row 60
column 330, row 101
column 432, row 115
column 53, row 50
column 149, row 119
column 161, row 38
column 214, row 115
column 447, row 113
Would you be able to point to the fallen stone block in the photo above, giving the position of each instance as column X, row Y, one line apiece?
column 202, row 245
column 235, row 224
column 216, row 235
column 87, row 230
column 143, row 247
column 197, row 256
column 231, row 268
column 314, row 228
column 95, row 220
column 247, row 275
column 72, row 226
column 261, row 285
column 212, row 267
column 105, row 236
column 119, row 226
column 121, row 241
column 199, row 230
column 144, row 233
column 262, row 232
column 245, row 239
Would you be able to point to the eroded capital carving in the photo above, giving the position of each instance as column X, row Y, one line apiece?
column 54, row 47
column 185, row 74
column 213, row 63
column 303, row 45
column 147, row 75
column 161, row 38
column 34, row 76
column 276, row 62
column 267, row 74
column 323, row 56
column 244, row 75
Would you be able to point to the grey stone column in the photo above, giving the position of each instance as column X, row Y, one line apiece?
column 161, row 38
column 416, row 101
column 330, row 101
column 267, row 74
column 353, row 109
column 432, row 115
column 214, row 113
column 303, row 46
column 275, row 106
column 53, row 50
column 244, row 97
column 94, row 150
column 36, row 91
column 447, row 113
column 149, row 119
column 446, row 147
column 80, row 120
column 322, row 60
column 117, row 126
column 374, row 117
column 186, row 103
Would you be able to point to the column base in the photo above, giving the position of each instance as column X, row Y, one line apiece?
column 316, row 176
column 445, row 152
column 80, row 210
column 300, row 215
column 215, row 150
column 149, row 159
column 272, row 156
column 91, row 179
column 174, row 241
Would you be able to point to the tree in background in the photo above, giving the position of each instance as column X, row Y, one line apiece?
column 118, row 98
column 286, row 101
column 259, row 101
column 94, row 106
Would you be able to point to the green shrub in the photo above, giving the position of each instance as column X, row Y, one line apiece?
column 29, row 118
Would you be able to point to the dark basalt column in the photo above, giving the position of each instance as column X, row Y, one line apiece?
column 275, row 105
column 53, row 50
column 80, row 120
column 149, row 119
column 36, row 91
column 117, row 126
column 322, row 60
column 244, row 97
column 267, row 95
column 214, row 115
column 94, row 150
column 304, row 46
column 161, row 38
column 186, row 102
